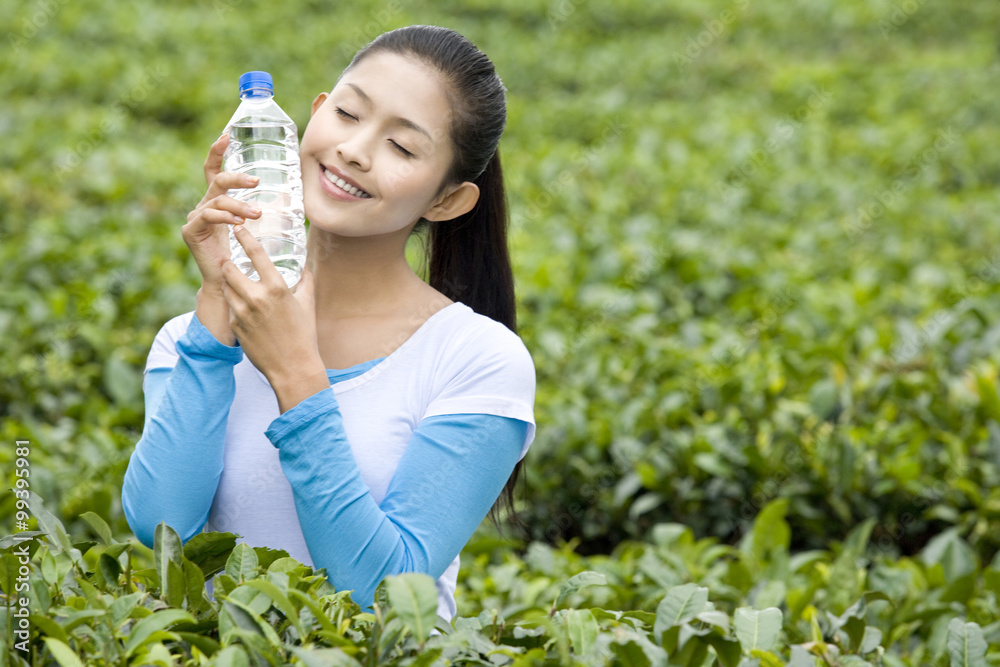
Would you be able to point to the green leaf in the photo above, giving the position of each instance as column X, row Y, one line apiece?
column 757, row 630
column 281, row 601
column 206, row 645
column 767, row 659
column 110, row 569
column 727, row 650
column 956, row 557
column 99, row 525
column 122, row 607
column 966, row 644
column 872, row 640
column 578, row 581
column 23, row 537
column 679, row 605
column 719, row 619
column 242, row 563
column 166, row 549
column 800, row 657
column 120, row 379
column 232, row 656
column 194, row 586
column 63, row 654
column 242, row 619
column 174, row 587
column 413, row 597
column 144, row 629
column 583, row 629
column 49, row 627
column 314, row 607
column 49, row 524
column 327, row 657
column 266, row 556
column 209, row 551
column 770, row 530
column 855, row 629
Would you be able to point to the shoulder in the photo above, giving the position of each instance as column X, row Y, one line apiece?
column 163, row 352
column 481, row 367
column 476, row 344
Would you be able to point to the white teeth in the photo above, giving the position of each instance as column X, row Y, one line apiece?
column 345, row 186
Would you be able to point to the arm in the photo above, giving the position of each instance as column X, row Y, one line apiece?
column 174, row 471
column 452, row 471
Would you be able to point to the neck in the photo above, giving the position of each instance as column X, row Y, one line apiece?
column 359, row 276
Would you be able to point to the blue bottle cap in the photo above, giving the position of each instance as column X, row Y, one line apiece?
column 256, row 83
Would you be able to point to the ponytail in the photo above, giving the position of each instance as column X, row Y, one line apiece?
column 469, row 262
column 468, row 257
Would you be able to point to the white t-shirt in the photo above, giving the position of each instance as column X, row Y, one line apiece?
column 457, row 362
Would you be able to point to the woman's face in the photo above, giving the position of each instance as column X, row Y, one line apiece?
column 377, row 149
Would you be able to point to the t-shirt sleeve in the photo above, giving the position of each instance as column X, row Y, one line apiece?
column 163, row 352
column 490, row 372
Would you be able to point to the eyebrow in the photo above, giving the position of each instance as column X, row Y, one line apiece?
column 398, row 120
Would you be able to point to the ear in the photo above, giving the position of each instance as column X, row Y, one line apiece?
column 456, row 201
column 318, row 102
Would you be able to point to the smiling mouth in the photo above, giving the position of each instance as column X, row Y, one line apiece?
column 344, row 185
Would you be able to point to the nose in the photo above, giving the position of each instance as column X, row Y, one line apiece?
column 356, row 150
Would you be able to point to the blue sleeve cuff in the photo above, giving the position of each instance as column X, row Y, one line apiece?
column 199, row 341
column 298, row 416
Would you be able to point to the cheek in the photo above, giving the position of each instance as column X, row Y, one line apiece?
column 417, row 179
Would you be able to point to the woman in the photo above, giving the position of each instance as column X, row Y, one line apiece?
column 367, row 422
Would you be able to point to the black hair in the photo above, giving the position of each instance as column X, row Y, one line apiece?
column 467, row 257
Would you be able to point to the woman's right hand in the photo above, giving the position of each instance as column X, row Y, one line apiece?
column 207, row 230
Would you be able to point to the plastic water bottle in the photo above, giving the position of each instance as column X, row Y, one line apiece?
column 264, row 142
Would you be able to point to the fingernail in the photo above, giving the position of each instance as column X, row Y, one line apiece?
column 254, row 179
column 255, row 211
column 238, row 220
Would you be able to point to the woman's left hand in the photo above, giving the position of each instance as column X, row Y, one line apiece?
column 275, row 326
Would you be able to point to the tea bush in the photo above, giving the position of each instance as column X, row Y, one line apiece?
column 755, row 248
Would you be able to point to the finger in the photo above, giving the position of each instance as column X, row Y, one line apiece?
column 235, row 287
column 226, row 181
column 266, row 269
column 238, row 210
column 207, row 216
column 213, row 163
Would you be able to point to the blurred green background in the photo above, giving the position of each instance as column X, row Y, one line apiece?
column 755, row 244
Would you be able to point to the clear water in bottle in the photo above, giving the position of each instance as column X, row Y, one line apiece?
column 264, row 142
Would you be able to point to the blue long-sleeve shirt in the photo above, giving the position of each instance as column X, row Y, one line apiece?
column 451, row 472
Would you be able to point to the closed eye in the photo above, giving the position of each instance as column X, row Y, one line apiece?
column 344, row 114
column 400, row 149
